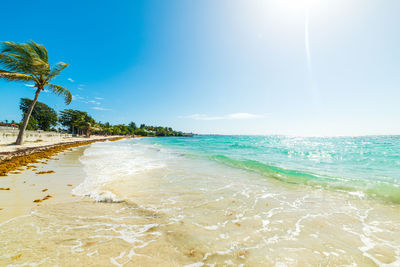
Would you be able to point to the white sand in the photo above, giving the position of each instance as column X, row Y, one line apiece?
column 45, row 141
column 28, row 186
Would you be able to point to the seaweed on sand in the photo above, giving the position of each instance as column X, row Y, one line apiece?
column 36, row 155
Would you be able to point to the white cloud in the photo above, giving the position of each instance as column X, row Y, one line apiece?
column 86, row 100
column 233, row 116
column 239, row 116
column 100, row 108
column 99, row 98
column 77, row 97
column 70, row 79
column 30, row 85
column 202, row 117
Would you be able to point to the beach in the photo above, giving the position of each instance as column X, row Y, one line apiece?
column 157, row 202
column 200, row 133
column 42, row 140
column 23, row 184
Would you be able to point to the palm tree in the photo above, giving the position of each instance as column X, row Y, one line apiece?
column 79, row 123
column 29, row 62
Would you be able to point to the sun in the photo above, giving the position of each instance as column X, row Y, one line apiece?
column 297, row 4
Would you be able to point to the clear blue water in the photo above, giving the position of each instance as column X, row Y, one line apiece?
column 369, row 165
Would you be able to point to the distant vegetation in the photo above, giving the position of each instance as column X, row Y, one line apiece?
column 81, row 123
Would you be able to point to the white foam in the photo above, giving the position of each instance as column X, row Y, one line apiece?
column 207, row 227
column 358, row 194
column 108, row 163
column 196, row 264
column 104, row 196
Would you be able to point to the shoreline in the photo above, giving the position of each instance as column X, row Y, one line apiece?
column 13, row 161
column 41, row 175
column 48, row 183
column 29, row 190
column 8, row 151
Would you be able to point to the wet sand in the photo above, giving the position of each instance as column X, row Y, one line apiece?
column 49, row 180
column 28, row 186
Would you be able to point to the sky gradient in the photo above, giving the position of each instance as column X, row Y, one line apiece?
column 226, row 67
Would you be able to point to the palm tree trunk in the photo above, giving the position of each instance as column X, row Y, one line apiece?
column 20, row 138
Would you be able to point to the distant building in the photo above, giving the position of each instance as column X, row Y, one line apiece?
column 14, row 125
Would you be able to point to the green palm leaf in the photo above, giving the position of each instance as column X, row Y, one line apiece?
column 20, row 77
column 59, row 90
column 17, row 49
column 30, row 57
column 14, row 63
column 56, row 70
column 40, row 50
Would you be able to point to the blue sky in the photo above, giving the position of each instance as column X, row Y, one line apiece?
column 228, row 67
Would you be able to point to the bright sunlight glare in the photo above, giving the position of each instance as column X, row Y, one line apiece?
column 297, row 3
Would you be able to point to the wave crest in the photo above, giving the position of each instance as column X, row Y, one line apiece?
column 378, row 189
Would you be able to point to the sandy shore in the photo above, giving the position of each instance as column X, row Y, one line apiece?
column 28, row 186
column 9, row 147
column 39, row 183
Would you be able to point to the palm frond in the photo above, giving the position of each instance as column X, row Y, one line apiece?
column 14, row 63
column 56, row 70
column 29, row 62
column 39, row 60
column 14, row 48
column 40, row 66
column 40, row 50
column 31, row 57
column 59, row 90
column 14, row 76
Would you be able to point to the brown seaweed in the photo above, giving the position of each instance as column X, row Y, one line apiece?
column 36, row 155
column 43, row 199
column 45, row 172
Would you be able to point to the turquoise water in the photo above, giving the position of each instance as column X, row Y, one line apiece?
column 368, row 166
column 219, row 201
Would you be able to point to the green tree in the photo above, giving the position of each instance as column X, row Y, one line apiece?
column 141, row 132
column 32, row 124
column 78, row 120
column 116, row 130
column 87, row 126
column 132, row 125
column 160, row 131
column 29, row 62
column 44, row 115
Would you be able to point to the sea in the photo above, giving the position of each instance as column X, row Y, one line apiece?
column 216, row 200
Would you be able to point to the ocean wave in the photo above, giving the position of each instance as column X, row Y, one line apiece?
column 356, row 187
column 110, row 164
column 99, row 196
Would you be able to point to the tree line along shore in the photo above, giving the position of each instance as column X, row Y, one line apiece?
column 79, row 122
